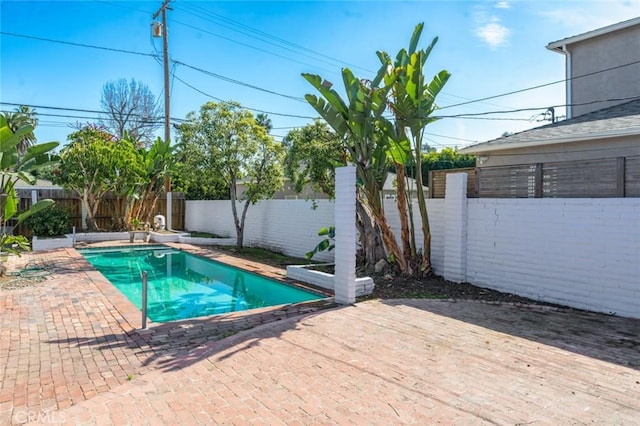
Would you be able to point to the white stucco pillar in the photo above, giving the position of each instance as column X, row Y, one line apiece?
column 34, row 196
column 345, row 240
column 169, row 210
column 455, row 228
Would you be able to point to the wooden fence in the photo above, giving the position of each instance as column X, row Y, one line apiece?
column 106, row 210
column 438, row 180
column 599, row 178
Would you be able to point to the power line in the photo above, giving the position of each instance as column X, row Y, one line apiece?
column 248, row 45
column 450, row 137
column 543, row 85
column 251, row 109
column 284, row 41
column 267, row 38
column 111, row 49
column 94, row 111
column 231, row 80
column 471, row 115
column 211, row 74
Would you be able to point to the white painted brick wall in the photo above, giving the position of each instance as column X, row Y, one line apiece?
column 287, row 226
column 583, row 253
column 346, row 235
column 455, row 228
column 291, row 226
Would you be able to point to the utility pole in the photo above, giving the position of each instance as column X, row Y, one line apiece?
column 167, row 102
column 165, row 57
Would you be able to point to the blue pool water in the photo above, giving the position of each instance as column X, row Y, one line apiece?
column 182, row 285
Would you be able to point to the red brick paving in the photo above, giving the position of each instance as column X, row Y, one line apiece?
column 65, row 347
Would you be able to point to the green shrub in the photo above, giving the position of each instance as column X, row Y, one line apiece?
column 50, row 222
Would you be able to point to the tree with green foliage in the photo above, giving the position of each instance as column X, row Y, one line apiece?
column 14, row 167
column 159, row 163
column 21, row 117
column 412, row 103
column 446, row 158
column 356, row 121
column 196, row 170
column 94, row 163
column 374, row 142
column 313, row 153
column 242, row 152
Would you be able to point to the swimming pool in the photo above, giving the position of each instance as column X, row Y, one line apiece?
column 182, row 285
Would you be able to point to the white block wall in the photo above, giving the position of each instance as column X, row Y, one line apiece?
column 287, row 226
column 583, row 253
column 346, row 235
column 293, row 226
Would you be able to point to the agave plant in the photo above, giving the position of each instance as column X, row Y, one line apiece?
column 14, row 167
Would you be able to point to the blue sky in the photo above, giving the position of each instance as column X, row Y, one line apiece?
column 490, row 47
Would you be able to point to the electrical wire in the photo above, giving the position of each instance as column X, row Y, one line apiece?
column 264, row 37
column 251, row 109
column 543, row 85
column 248, row 45
column 231, row 80
column 209, row 73
column 284, row 41
column 466, row 116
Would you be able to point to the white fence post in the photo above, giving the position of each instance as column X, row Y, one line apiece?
column 34, row 196
column 455, row 231
column 169, row 225
column 345, row 240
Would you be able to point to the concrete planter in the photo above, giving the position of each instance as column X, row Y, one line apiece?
column 207, row 241
column 166, row 237
column 41, row 244
column 364, row 286
column 100, row 236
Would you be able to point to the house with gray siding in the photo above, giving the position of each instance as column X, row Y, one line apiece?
column 595, row 152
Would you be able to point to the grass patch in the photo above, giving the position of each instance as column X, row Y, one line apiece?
column 199, row 234
column 265, row 256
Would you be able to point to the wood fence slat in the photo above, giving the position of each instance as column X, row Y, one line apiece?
column 106, row 210
column 438, row 182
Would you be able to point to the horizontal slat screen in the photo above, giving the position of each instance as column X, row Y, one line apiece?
column 508, row 181
column 579, row 179
column 632, row 177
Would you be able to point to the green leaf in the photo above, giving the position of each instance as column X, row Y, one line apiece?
column 35, row 208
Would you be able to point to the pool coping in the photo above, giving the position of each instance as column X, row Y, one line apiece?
column 228, row 322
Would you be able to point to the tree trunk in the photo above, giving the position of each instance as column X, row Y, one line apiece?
column 422, row 204
column 91, row 212
column 240, row 230
column 239, row 225
column 371, row 244
column 401, row 201
column 389, row 240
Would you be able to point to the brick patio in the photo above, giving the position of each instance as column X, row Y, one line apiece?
column 70, row 352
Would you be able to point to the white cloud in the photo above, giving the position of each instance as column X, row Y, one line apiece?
column 493, row 33
column 503, row 5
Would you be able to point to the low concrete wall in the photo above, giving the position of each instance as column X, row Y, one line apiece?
column 41, row 244
column 364, row 285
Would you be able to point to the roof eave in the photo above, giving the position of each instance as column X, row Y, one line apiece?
column 479, row 149
column 557, row 45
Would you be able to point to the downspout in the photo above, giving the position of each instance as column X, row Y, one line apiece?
column 569, row 82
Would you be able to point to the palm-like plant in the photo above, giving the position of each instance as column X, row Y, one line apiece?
column 413, row 103
column 358, row 123
column 14, row 167
column 22, row 116
column 374, row 141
